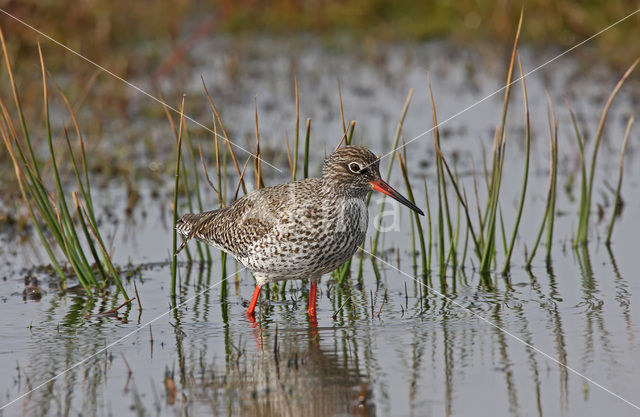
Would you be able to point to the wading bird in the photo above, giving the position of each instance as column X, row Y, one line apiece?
column 297, row 230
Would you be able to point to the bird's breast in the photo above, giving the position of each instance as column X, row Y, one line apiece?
column 311, row 239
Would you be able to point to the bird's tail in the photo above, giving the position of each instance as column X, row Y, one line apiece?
column 190, row 224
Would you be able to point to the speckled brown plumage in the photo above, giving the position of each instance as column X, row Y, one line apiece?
column 301, row 229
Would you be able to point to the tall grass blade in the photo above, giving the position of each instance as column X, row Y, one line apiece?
column 307, row 136
column 444, row 217
column 428, row 213
column 258, row 161
column 443, row 205
column 174, row 257
column 16, row 98
column 423, row 249
column 294, row 170
column 188, row 192
column 547, row 209
column 617, row 200
column 352, row 127
column 226, row 136
column 496, row 177
column 344, row 126
column 72, row 242
column 525, row 178
column 553, row 144
column 202, row 248
column 91, row 219
column 585, row 209
column 394, row 148
column 55, row 213
column 105, row 254
column 583, row 169
column 21, row 184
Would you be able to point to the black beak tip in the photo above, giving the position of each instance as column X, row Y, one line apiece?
column 420, row 212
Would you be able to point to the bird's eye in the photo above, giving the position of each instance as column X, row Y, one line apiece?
column 354, row 167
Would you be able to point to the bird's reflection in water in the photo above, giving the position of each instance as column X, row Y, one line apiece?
column 292, row 375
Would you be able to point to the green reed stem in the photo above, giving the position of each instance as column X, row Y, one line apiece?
column 553, row 141
column 188, row 193
column 85, row 190
column 423, row 249
column 443, row 200
column 414, row 258
column 503, row 234
column 428, row 213
column 352, row 127
column 16, row 98
column 546, row 211
column 91, row 219
column 105, row 254
column 394, row 148
column 307, row 136
column 583, row 170
column 72, row 243
column 21, row 183
column 226, row 137
column 344, row 126
column 585, row 210
column 258, row 160
column 456, row 236
column 174, row 260
column 441, row 258
column 462, row 199
column 616, row 202
column 294, row 170
column 525, row 178
column 498, row 161
column 194, row 167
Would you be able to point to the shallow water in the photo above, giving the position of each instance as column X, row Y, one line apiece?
column 399, row 356
column 387, row 345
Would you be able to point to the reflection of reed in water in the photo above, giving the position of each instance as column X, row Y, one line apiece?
column 300, row 379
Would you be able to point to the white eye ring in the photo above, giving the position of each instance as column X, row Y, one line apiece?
column 354, row 167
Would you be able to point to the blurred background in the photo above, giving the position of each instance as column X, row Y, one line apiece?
column 110, row 30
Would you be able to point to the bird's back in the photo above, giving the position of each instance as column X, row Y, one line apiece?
column 292, row 230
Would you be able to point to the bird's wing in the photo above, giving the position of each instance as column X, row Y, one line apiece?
column 237, row 227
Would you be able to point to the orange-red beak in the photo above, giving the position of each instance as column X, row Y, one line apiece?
column 383, row 187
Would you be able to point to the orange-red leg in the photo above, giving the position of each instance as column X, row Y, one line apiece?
column 312, row 298
column 254, row 300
